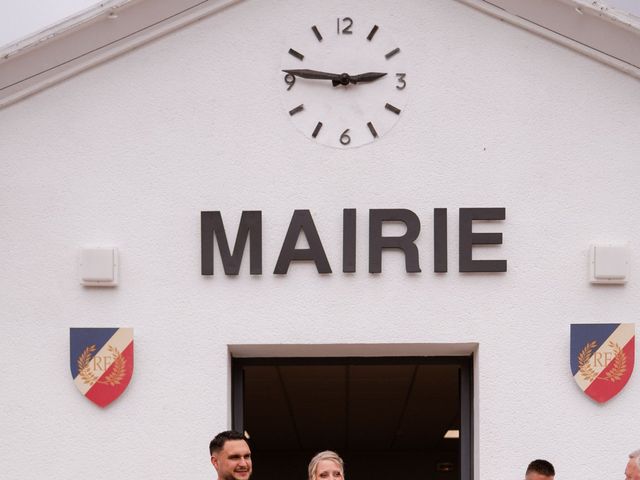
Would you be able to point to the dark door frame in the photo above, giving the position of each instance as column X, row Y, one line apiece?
column 466, row 389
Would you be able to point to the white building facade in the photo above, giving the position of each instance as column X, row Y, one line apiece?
column 128, row 154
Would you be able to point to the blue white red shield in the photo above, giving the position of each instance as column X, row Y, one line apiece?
column 602, row 357
column 101, row 362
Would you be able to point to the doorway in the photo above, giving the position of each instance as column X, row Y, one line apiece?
column 387, row 417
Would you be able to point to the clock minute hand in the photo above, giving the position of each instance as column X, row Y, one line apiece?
column 314, row 74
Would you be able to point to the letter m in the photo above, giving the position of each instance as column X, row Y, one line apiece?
column 250, row 226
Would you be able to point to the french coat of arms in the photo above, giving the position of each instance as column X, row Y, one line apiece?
column 602, row 357
column 101, row 362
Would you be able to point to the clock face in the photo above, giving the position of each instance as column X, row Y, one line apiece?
column 344, row 82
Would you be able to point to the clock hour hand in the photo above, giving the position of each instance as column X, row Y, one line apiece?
column 366, row 77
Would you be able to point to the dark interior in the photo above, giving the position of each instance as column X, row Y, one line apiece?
column 385, row 419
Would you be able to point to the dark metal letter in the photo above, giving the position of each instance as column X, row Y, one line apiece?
column 405, row 243
column 211, row 225
column 440, row 240
column 468, row 239
column 349, row 240
column 302, row 221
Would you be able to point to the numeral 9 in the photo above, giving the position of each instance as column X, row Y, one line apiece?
column 289, row 80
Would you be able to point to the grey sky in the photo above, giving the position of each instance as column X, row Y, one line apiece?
column 21, row 18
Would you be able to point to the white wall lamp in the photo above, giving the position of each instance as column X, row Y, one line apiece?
column 609, row 264
column 99, row 266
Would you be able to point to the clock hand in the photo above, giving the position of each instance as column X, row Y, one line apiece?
column 366, row 77
column 314, row 74
column 336, row 79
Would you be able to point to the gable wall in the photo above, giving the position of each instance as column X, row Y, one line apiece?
column 130, row 152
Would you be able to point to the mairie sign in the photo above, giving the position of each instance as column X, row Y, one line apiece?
column 602, row 357
column 101, row 362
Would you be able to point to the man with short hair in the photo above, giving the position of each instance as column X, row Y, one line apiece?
column 540, row 470
column 231, row 456
column 632, row 472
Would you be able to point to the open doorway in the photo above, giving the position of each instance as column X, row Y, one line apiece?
column 387, row 417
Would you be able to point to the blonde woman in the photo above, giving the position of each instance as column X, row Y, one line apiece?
column 326, row 465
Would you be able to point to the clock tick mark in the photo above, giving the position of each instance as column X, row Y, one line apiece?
column 372, row 130
column 391, row 108
column 298, row 109
column 392, row 53
column 317, row 33
column 316, row 130
column 372, row 32
column 298, row 55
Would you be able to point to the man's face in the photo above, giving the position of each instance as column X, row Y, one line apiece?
column 538, row 476
column 233, row 462
column 632, row 472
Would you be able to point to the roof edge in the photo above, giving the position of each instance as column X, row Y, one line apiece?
column 116, row 26
column 598, row 31
column 67, row 25
column 92, row 37
column 610, row 14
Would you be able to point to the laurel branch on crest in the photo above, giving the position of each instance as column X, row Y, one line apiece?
column 588, row 372
column 619, row 364
column 116, row 375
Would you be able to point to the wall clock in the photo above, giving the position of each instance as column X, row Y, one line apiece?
column 344, row 82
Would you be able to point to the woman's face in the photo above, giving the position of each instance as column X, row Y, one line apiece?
column 328, row 470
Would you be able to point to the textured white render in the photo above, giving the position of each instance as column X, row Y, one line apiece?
column 128, row 153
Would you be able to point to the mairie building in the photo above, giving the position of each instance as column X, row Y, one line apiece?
column 407, row 232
